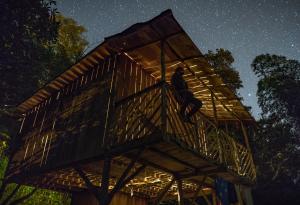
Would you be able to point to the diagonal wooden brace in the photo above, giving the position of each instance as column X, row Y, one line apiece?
column 163, row 193
column 93, row 189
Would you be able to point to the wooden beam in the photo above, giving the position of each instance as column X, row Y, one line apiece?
column 93, row 189
column 199, row 172
column 214, row 108
column 130, row 97
column 214, row 197
column 121, row 184
column 246, row 139
column 105, row 177
column 127, row 170
column 163, row 90
column 163, row 193
column 173, row 158
column 230, row 111
column 180, row 192
column 151, row 164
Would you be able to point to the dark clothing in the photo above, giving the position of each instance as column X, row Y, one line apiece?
column 178, row 82
column 184, row 96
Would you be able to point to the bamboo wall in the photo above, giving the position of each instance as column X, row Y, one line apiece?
column 78, row 117
column 60, row 129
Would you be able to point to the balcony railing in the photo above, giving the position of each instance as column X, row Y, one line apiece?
column 141, row 114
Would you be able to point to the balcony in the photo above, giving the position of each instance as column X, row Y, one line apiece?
column 146, row 114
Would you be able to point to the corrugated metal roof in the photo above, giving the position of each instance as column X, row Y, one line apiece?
column 141, row 42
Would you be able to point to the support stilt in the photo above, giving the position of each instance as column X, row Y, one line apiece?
column 102, row 194
column 180, row 192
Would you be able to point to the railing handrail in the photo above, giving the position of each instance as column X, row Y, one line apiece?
column 223, row 137
column 161, row 83
column 139, row 93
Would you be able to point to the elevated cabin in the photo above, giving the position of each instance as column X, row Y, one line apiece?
column 110, row 125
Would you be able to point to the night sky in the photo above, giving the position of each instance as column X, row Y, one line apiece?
column 245, row 27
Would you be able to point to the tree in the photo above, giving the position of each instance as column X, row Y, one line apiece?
column 276, row 145
column 64, row 52
column 222, row 61
column 33, row 49
column 70, row 38
column 278, row 87
column 25, row 26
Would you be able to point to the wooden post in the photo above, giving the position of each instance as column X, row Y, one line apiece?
column 180, row 192
column 105, row 178
column 214, row 197
column 214, row 108
column 163, row 90
column 111, row 99
column 246, row 139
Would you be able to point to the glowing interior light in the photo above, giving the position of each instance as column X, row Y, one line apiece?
column 131, row 192
column 175, row 64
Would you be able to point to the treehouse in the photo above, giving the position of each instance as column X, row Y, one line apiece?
column 108, row 130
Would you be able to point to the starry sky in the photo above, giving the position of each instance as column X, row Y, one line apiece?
column 245, row 27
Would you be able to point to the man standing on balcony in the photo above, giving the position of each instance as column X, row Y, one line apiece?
column 184, row 96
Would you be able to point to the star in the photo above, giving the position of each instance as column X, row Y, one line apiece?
column 247, row 28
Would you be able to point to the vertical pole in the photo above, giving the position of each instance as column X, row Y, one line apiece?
column 163, row 90
column 111, row 99
column 214, row 197
column 105, row 179
column 180, row 192
column 214, row 108
column 216, row 122
column 246, row 139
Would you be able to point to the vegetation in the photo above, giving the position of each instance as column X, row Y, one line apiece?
column 222, row 61
column 276, row 145
column 277, row 142
column 36, row 43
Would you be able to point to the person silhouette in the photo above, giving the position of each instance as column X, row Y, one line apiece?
column 184, row 96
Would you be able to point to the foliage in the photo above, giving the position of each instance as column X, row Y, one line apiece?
column 35, row 46
column 41, row 196
column 222, row 61
column 277, row 143
column 278, row 87
column 67, row 50
column 70, row 38
column 25, row 26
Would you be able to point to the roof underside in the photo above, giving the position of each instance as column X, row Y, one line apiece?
column 141, row 42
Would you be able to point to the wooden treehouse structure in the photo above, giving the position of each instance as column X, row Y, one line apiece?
column 107, row 129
